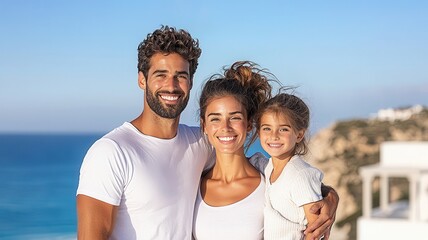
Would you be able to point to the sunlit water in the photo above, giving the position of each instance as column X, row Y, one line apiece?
column 38, row 180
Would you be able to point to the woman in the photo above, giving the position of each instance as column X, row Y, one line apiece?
column 231, row 197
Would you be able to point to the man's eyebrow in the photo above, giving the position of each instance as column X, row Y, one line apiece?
column 159, row 71
column 166, row 71
column 182, row 72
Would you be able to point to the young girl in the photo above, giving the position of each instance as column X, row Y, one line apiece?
column 292, row 185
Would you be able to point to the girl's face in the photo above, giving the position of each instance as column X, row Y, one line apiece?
column 277, row 136
column 225, row 123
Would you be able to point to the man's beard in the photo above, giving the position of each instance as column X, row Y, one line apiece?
column 170, row 111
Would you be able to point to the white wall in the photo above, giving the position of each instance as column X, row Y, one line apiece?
column 404, row 154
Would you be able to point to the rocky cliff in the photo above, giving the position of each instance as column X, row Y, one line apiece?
column 342, row 148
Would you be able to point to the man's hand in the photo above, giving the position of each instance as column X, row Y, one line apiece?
column 327, row 214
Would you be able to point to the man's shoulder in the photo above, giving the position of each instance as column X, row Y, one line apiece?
column 120, row 136
column 125, row 128
column 190, row 130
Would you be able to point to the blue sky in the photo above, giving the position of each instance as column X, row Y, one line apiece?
column 70, row 66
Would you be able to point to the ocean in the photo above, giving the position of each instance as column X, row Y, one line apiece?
column 38, row 181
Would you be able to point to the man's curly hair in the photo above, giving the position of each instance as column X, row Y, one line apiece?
column 168, row 40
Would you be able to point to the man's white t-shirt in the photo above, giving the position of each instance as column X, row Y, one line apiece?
column 153, row 181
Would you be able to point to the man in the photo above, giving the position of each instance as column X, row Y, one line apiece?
column 140, row 180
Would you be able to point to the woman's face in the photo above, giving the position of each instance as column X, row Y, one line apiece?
column 226, row 125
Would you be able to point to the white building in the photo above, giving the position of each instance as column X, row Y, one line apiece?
column 392, row 114
column 402, row 219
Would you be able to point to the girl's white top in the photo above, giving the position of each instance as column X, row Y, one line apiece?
column 298, row 184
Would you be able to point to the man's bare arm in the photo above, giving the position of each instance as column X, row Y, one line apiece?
column 95, row 218
column 327, row 214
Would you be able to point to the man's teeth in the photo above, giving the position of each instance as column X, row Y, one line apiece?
column 169, row 98
column 226, row 138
